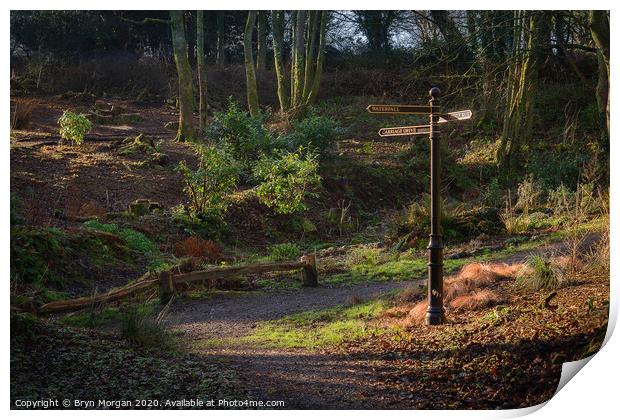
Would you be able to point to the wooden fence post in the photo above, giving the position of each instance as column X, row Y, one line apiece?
column 309, row 273
column 166, row 287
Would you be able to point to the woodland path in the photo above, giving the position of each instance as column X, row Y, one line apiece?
column 304, row 379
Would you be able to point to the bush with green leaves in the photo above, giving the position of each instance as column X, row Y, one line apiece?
column 314, row 133
column 208, row 185
column 73, row 127
column 286, row 180
column 284, row 252
column 244, row 136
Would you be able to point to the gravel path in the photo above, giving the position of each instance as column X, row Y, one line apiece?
column 226, row 316
column 303, row 379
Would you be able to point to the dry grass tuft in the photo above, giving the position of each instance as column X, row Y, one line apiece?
column 477, row 300
column 198, row 248
column 469, row 289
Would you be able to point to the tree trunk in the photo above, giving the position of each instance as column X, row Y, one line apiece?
column 320, row 59
column 250, row 73
column 261, row 54
column 518, row 121
column 299, row 64
column 599, row 27
column 277, row 23
column 202, row 70
column 313, row 28
column 186, row 93
column 221, row 35
column 293, row 56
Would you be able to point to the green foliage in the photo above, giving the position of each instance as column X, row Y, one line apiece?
column 369, row 256
column 286, row 180
column 31, row 251
column 564, row 163
column 203, row 226
column 284, row 252
column 135, row 240
column 207, row 186
column 491, row 194
column 316, row 133
column 457, row 222
column 539, row 274
column 242, row 135
column 16, row 217
column 143, row 332
column 23, row 326
column 74, row 127
column 416, row 161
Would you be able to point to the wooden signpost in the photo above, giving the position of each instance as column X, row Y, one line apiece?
column 435, row 311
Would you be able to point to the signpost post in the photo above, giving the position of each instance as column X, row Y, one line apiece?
column 435, row 311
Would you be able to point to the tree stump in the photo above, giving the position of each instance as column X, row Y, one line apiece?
column 309, row 273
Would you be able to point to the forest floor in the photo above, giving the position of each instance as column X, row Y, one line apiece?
column 350, row 343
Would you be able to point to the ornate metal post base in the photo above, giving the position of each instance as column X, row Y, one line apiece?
column 435, row 312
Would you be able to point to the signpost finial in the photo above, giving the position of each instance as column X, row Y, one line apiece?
column 434, row 92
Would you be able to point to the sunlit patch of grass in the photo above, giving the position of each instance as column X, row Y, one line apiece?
column 313, row 329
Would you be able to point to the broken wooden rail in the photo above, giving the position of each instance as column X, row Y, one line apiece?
column 168, row 283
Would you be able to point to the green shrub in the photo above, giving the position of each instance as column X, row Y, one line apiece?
column 539, row 274
column 242, row 135
column 284, row 252
column 207, row 186
column 286, row 180
column 135, row 240
column 74, row 127
column 315, row 133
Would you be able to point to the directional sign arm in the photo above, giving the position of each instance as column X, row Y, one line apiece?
column 455, row 116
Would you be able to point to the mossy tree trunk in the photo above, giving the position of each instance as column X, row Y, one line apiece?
column 261, row 52
column 313, row 22
column 202, row 69
column 186, row 130
column 522, row 84
column 598, row 21
column 277, row 23
column 320, row 60
column 221, row 40
column 297, row 63
column 250, row 72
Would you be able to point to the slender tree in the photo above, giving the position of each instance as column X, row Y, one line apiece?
column 261, row 33
column 277, row 23
column 186, row 92
column 186, row 129
column 298, row 62
column 310, row 61
column 318, row 72
column 202, row 69
column 522, row 82
column 250, row 72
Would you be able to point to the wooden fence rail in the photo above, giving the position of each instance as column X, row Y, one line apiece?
column 168, row 283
